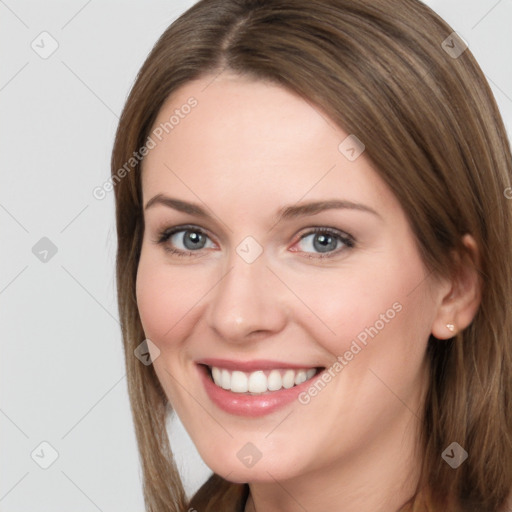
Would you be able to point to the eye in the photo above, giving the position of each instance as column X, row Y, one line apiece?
column 326, row 241
column 187, row 240
column 183, row 240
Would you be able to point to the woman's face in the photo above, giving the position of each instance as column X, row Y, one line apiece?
column 233, row 280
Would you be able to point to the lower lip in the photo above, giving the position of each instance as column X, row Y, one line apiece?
column 242, row 404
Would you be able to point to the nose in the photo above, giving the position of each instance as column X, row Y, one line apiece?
column 248, row 303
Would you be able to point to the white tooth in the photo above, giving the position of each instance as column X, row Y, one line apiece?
column 300, row 377
column 238, row 382
column 257, row 382
column 310, row 373
column 274, row 381
column 226, row 380
column 217, row 375
column 288, row 379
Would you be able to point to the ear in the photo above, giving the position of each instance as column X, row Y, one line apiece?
column 460, row 303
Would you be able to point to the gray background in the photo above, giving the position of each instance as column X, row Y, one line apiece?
column 61, row 364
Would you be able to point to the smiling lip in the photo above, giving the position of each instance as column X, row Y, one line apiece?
column 248, row 405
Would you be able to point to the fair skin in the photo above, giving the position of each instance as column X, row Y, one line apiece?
column 246, row 151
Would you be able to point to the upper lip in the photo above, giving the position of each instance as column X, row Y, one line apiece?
column 253, row 365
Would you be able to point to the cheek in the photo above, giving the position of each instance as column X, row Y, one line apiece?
column 165, row 298
column 383, row 301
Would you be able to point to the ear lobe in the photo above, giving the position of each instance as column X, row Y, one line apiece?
column 460, row 304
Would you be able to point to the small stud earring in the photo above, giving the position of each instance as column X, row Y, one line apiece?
column 450, row 327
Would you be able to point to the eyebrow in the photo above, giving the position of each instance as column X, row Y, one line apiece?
column 285, row 213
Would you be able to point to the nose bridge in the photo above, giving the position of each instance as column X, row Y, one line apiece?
column 246, row 299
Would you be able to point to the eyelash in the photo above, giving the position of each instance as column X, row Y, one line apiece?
column 347, row 239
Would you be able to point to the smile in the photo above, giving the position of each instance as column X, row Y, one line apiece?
column 253, row 388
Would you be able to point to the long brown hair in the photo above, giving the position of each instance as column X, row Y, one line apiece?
column 383, row 70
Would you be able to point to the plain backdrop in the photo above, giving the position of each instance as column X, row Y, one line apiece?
column 63, row 395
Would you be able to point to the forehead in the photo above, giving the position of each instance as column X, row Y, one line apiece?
column 252, row 139
column 241, row 119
